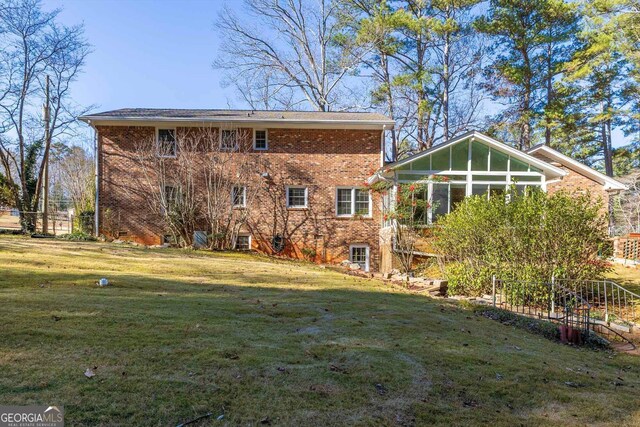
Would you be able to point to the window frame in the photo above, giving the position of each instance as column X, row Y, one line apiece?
column 353, row 202
column 365, row 246
column 175, row 143
column 306, row 197
column 244, row 197
column 235, row 244
column 266, row 139
column 220, row 133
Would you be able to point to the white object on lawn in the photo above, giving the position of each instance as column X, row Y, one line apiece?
column 103, row 282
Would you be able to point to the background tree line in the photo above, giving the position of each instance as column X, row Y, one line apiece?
column 564, row 73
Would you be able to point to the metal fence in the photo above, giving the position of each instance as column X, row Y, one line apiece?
column 610, row 302
column 60, row 222
column 543, row 300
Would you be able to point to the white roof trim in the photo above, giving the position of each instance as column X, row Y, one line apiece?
column 608, row 182
column 540, row 164
column 94, row 119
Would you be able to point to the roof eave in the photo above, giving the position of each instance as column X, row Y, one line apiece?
column 388, row 124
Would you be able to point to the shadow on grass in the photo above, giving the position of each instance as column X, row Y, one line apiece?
column 298, row 347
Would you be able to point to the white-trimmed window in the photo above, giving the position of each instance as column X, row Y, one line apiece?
column 297, row 197
column 353, row 201
column 228, row 139
column 359, row 254
column 260, row 139
column 239, row 196
column 243, row 242
column 166, row 142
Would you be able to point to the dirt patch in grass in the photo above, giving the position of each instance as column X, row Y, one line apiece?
column 181, row 334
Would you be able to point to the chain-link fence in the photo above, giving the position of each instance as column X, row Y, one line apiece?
column 60, row 222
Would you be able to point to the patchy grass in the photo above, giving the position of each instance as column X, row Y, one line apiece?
column 180, row 334
column 627, row 276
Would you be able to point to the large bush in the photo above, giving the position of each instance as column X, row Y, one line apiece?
column 527, row 237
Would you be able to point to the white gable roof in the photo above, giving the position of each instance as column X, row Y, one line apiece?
column 549, row 170
column 609, row 183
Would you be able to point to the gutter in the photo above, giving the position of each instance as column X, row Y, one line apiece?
column 88, row 119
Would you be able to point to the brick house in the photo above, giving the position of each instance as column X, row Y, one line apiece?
column 310, row 196
column 314, row 163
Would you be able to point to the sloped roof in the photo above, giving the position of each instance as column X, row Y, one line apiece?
column 548, row 169
column 608, row 182
column 217, row 115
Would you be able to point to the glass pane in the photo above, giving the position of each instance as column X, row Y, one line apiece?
column 479, row 189
column 534, row 169
column 499, row 160
column 496, row 190
column 479, row 157
column 344, row 201
column 440, row 160
column 405, row 167
column 459, row 156
column 238, row 196
column 362, row 202
column 490, row 178
column 518, row 166
column 440, row 200
column 526, row 178
column 421, row 210
column 261, row 139
column 423, row 164
column 166, row 135
column 458, row 193
column 359, row 256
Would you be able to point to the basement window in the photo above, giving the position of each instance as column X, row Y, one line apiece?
column 243, row 242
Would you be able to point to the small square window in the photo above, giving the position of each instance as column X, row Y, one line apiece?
column 228, row 139
column 359, row 254
column 296, row 197
column 260, row 140
column 243, row 242
column 167, row 145
column 239, row 196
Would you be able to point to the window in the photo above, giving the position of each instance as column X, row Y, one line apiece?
column 239, row 197
column 170, row 196
column 228, row 139
column 359, row 254
column 296, row 197
column 243, row 242
column 260, row 141
column 167, row 146
column 353, row 201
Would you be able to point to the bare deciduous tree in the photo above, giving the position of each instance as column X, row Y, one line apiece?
column 294, row 50
column 32, row 46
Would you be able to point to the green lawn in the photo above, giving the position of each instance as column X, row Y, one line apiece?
column 181, row 334
column 627, row 276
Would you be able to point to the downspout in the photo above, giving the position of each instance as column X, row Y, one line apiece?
column 382, row 146
column 96, row 214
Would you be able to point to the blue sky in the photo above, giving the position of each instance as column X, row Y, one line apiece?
column 154, row 54
column 147, row 53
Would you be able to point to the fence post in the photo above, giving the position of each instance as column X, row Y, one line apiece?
column 493, row 285
column 606, row 304
column 553, row 293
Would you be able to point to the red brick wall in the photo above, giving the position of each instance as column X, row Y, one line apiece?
column 576, row 183
column 318, row 159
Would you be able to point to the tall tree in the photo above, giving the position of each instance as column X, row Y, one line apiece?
column 294, row 47
column 32, row 46
column 531, row 43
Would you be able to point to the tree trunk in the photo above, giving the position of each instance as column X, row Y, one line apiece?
column 547, row 130
column 445, row 91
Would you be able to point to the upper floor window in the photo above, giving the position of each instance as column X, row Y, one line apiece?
column 239, row 196
column 296, row 197
column 353, row 201
column 228, row 139
column 260, row 139
column 167, row 145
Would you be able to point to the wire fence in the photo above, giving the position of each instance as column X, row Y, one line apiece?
column 59, row 222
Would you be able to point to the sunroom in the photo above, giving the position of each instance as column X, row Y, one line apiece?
column 471, row 164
